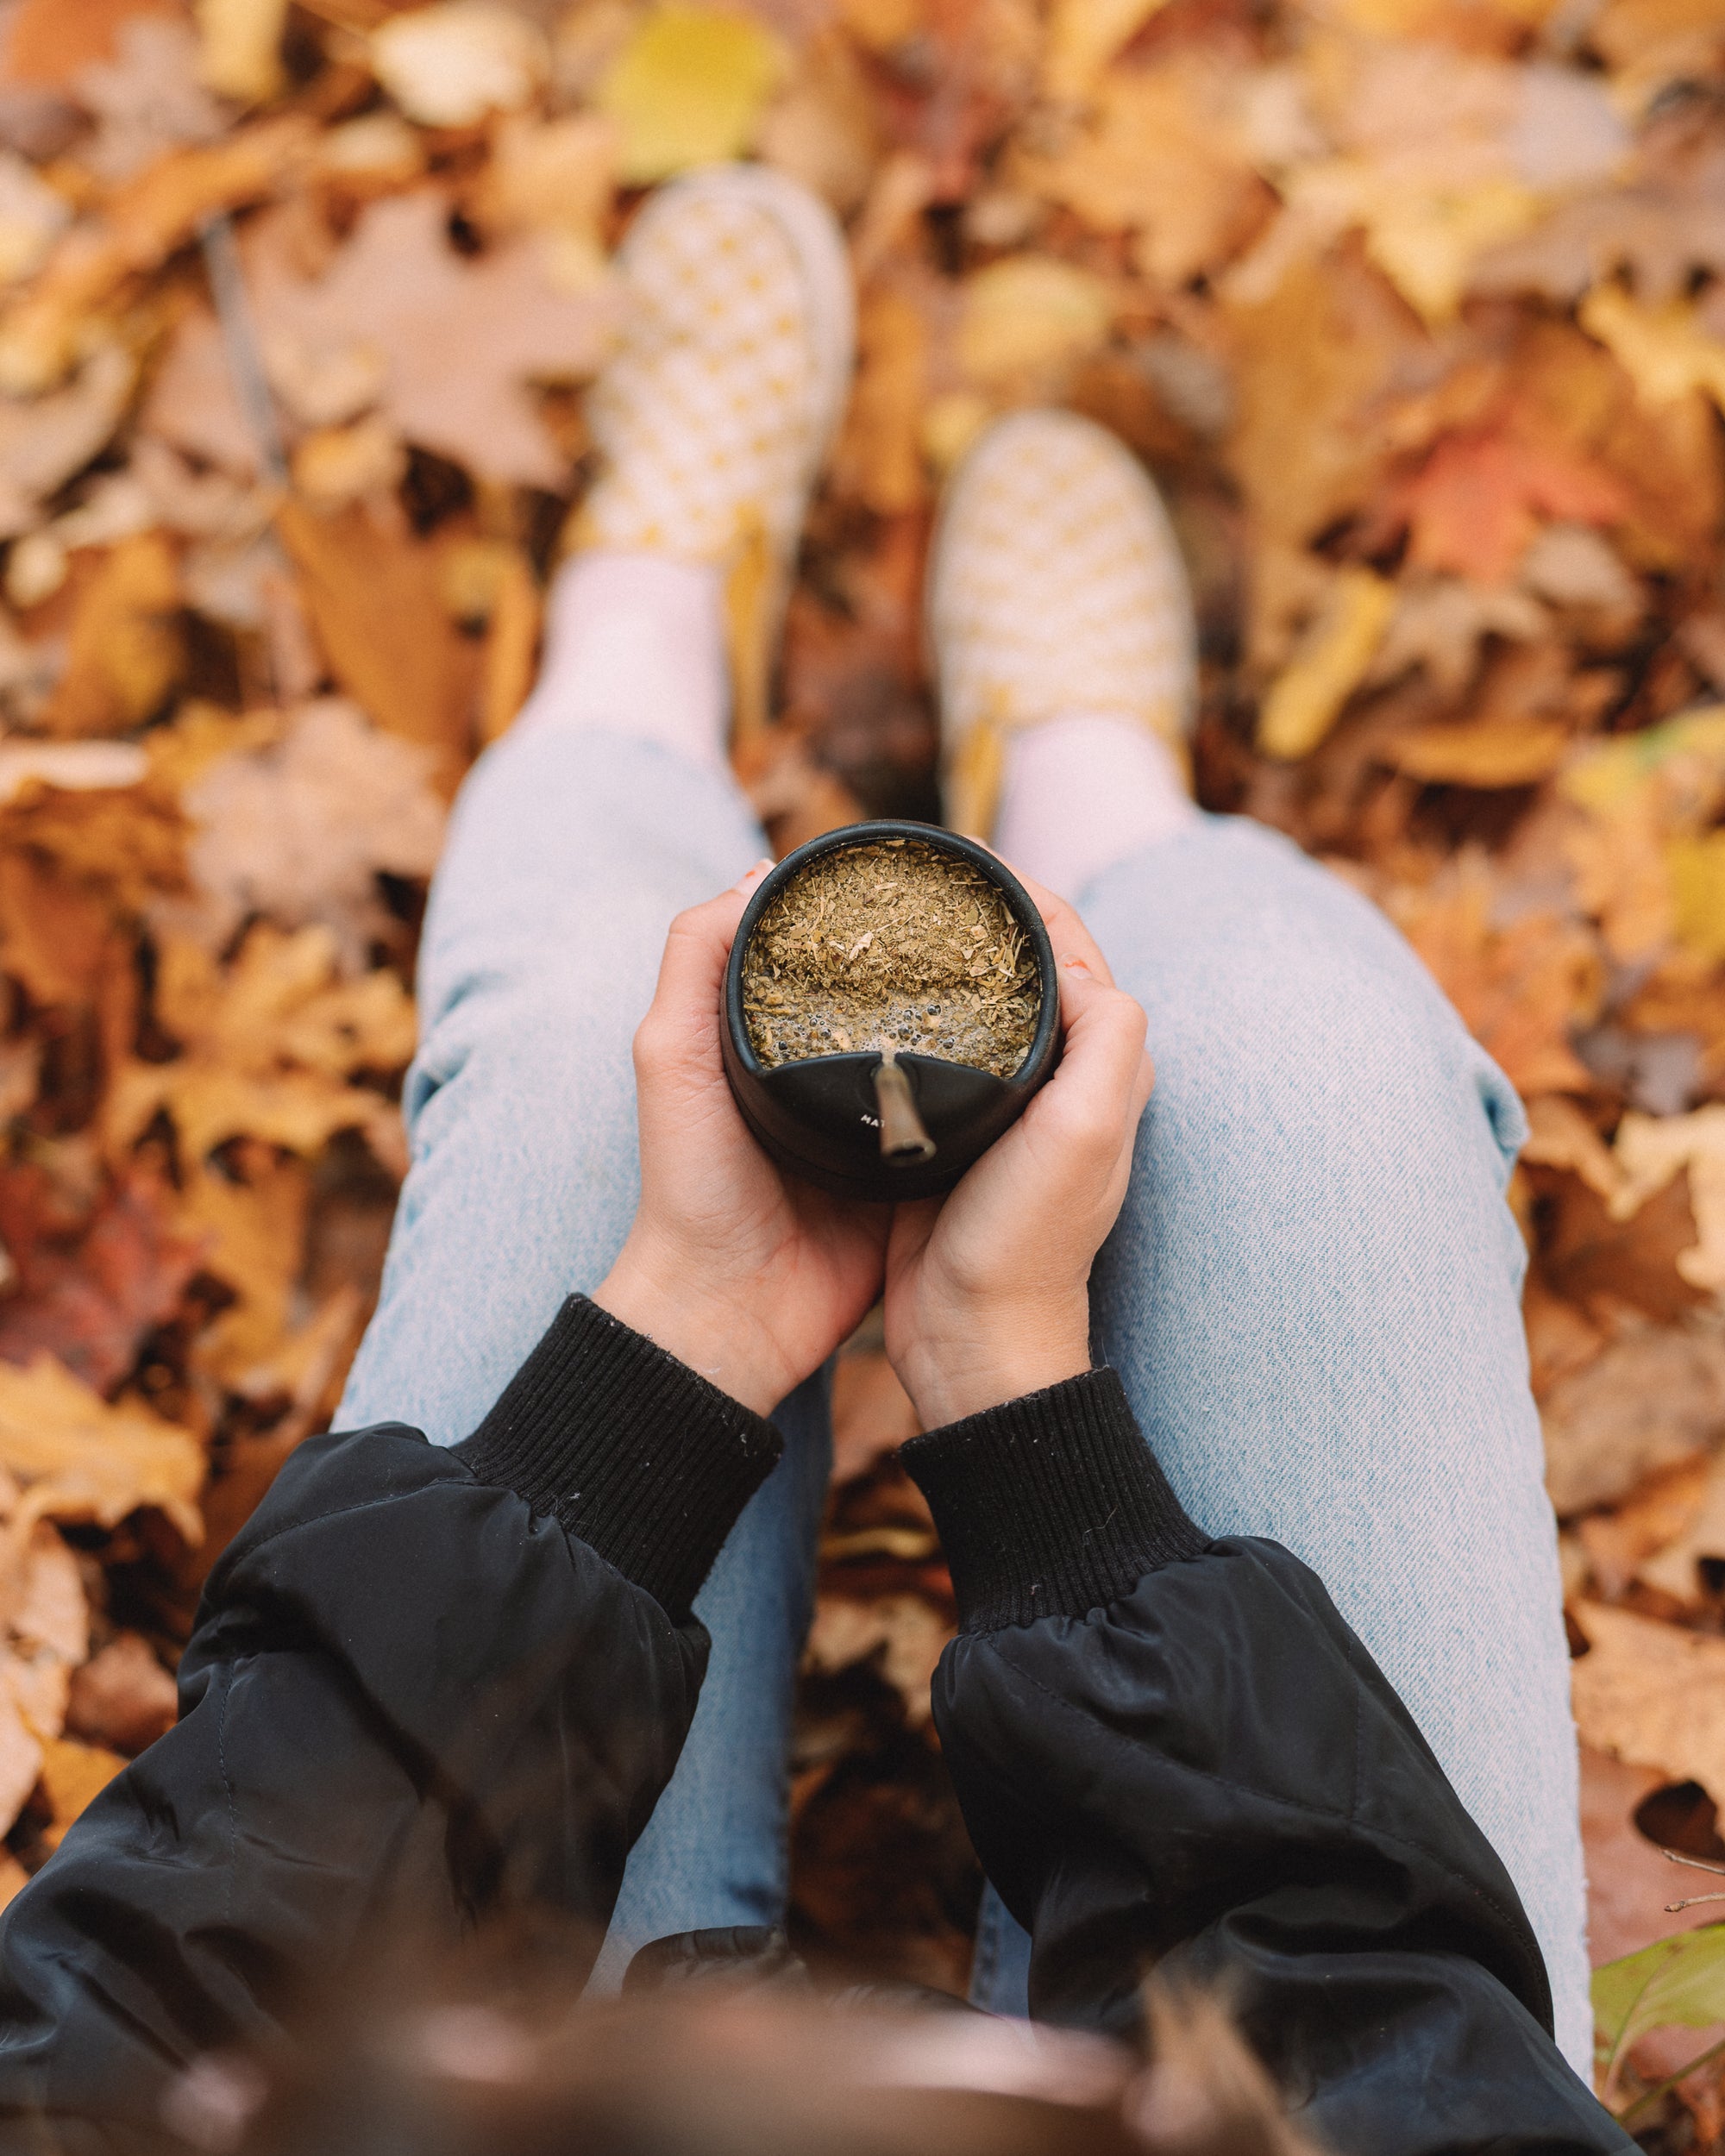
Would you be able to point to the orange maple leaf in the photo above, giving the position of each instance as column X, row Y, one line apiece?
column 1481, row 496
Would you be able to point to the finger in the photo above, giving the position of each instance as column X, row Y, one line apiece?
column 1067, row 932
column 1145, row 1086
column 698, row 946
column 1102, row 1078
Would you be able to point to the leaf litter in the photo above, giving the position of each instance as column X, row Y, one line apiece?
column 1416, row 313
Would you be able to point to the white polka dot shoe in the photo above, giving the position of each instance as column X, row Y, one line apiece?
column 713, row 417
column 1055, row 589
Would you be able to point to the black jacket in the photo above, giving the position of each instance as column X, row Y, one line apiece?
column 433, row 1687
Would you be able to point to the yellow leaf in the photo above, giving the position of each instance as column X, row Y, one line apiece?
column 240, row 42
column 292, row 1109
column 951, row 424
column 1155, row 159
column 73, row 1775
column 878, row 25
column 79, row 1459
column 549, row 175
column 689, row 88
column 254, row 1232
column 1481, row 752
column 1030, row 312
column 1663, row 350
column 336, row 466
column 1409, row 18
column 1306, row 699
column 1612, row 774
column 1424, row 236
column 449, row 65
column 1697, row 882
column 1083, row 36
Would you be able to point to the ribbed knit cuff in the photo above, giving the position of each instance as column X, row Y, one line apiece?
column 628, row 1448
column 1049, row 1506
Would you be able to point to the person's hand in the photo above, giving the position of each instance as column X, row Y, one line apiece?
column 987, row 1288
column 749, row 1277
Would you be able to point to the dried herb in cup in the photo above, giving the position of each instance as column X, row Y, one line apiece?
column 890, row 945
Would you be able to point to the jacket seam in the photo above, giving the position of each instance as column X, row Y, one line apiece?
column 227, row 1791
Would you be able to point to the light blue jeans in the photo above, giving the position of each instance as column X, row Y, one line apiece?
column 1312, row 1293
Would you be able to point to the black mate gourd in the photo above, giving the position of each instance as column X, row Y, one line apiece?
column 890, row 1008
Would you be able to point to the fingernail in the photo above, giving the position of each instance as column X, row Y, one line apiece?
column 763, row 866
column 1077, row 966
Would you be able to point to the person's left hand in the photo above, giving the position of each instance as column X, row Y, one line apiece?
column 749, row 1277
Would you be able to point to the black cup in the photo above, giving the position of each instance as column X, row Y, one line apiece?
column 836, row 1121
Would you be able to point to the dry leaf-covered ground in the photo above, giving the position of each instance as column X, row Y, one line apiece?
column 1417, row 310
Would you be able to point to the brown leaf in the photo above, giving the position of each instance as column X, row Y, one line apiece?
column 1653, row 1695
column 145, row 222
column 253, row 1231
column 298, row 818
column 1619, row 1543
column 44, row 440
column 901, row 1633
column 1560, row 1136
column 1622, row 1264
column 1155, row 159
column 210, row 1106
column 452, row 344
column 878, row 458
column 21, row 1759
column 122, row 1698
column 1628, row 1882
column 91, row 1302
column 374, row 600
column 1692, row 1538
column 126, row 648
column 1653, row 1397
column 55, row 936
column 148, row 100
column 1307, row 361
column 1518, row 988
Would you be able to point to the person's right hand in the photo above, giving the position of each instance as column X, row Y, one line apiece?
column 987, row 1288
column 751, row 1277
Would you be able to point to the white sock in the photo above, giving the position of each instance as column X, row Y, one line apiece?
column 635, row 644
column 1081, row 792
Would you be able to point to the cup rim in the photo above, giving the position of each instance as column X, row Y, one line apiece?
column 874, row 832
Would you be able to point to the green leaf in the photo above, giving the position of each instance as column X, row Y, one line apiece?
column 1678, row 1980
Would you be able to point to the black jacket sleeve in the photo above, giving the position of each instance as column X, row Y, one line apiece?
column 1173, row 1755
column 427, row 1688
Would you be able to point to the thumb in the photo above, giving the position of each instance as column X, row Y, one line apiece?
column 698, row 946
